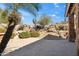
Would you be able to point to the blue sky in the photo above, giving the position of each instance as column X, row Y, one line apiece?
column 55, row 10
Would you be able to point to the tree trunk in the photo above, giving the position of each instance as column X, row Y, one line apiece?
column 6, row 37
column 72, row 34
column 77, row 29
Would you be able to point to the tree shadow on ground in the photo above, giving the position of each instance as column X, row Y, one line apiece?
column 53, row 37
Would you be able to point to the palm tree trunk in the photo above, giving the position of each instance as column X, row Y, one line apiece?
column 6, row 37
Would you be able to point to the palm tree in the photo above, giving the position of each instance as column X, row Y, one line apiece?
column 34, row 22
column 13, row 18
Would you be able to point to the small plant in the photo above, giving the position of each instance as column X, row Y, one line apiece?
column 21, row 28
column 34, row 34
column 2, row 30
column 24, row 35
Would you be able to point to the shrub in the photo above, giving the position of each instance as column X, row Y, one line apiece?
column 21, row 28
column 24, row 35
column 34, row 34
column 2, row 30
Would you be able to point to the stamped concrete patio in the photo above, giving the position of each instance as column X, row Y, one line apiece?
column 48, row 46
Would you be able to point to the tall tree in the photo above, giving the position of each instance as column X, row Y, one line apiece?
column 44, row 20
column 34, row 22
column 13, row 18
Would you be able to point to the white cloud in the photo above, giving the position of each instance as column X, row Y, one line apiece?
column 56, row 16
column 22, row 17
column 56, row 4
column 53, row 15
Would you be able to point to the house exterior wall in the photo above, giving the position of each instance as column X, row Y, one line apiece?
column 74, row 9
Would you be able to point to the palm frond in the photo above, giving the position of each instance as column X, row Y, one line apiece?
column 30, row 7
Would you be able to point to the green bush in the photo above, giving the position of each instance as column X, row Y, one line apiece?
column 34, row 34
column 2, row 30
column 24, row 35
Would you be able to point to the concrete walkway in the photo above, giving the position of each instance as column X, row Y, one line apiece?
column 17, row 43
column 48, row 46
